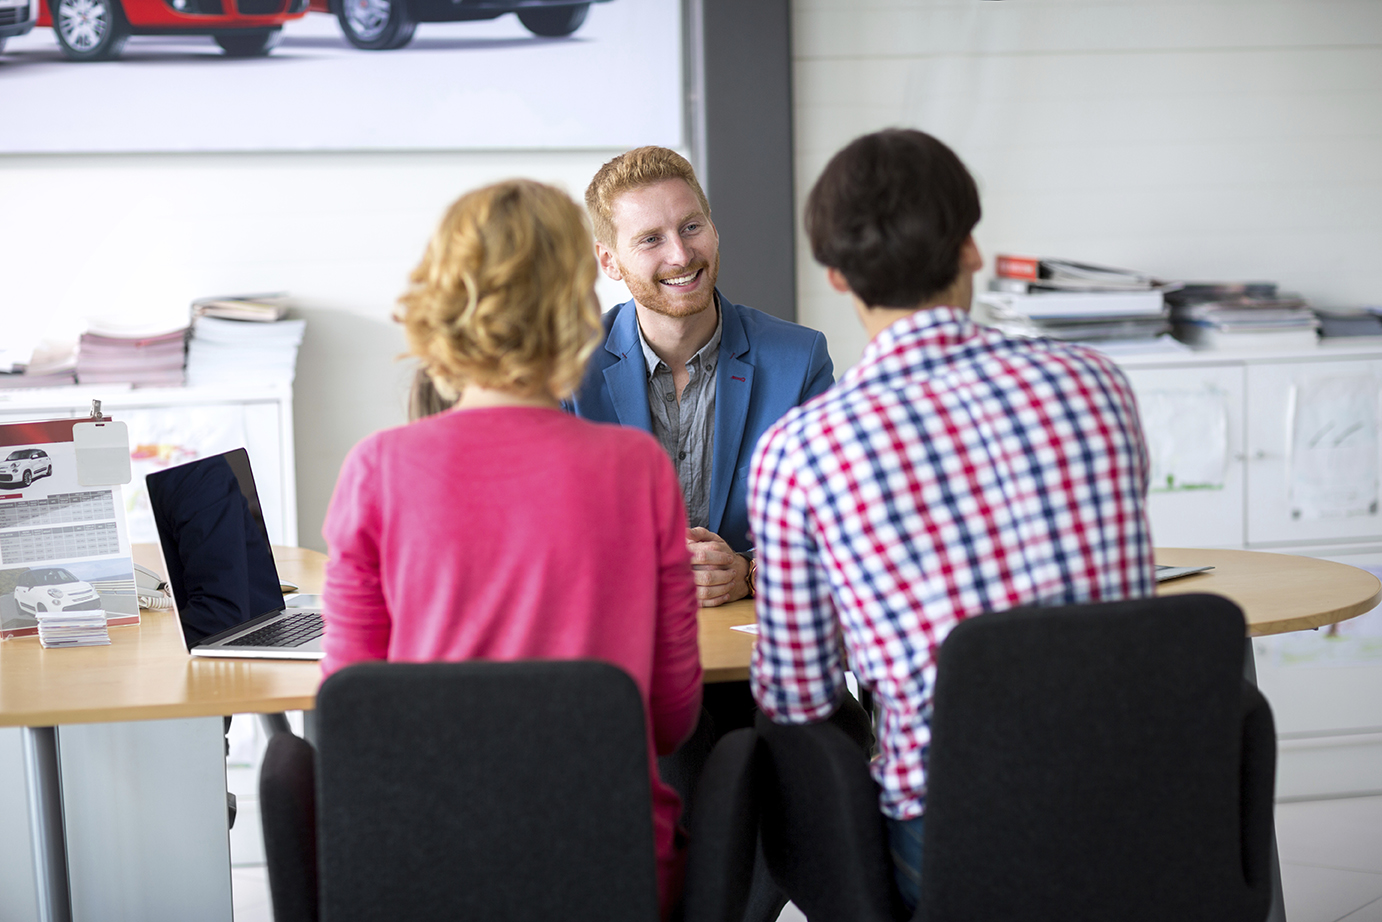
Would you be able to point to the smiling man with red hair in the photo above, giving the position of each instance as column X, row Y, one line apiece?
column 704, row 375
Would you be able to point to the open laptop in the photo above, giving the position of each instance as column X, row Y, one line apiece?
column 216, row 553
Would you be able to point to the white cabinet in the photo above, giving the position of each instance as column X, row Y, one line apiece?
column 1313, row 451
column 1267, row 451
column 171, row 425
column 1193, row 418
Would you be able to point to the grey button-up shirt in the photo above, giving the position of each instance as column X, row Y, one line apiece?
column 686, row 428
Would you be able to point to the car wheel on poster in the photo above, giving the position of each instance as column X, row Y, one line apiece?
column 248, row 43
column 554, row 21
column 28, row 477
column 377, row 25
column 89, row 30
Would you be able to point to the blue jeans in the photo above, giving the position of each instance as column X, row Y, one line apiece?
column 904, row 841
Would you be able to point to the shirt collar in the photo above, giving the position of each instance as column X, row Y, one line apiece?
column 937, row 326
column 653, row 360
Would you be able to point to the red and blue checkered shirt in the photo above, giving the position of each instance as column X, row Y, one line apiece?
column 952, row 471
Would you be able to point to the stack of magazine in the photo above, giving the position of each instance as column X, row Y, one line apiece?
column 1242, row 315
column 238, row 340
column 46, row 364
column 1349, row 323
column 1068, row 300
column 143, row 358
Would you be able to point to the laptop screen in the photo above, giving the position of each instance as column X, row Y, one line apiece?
column 215, row 545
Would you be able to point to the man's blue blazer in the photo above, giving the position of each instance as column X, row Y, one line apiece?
column 766, row 367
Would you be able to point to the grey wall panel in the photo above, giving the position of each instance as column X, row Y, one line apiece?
column 144, row 806
column 18, row 897
column 748, row 149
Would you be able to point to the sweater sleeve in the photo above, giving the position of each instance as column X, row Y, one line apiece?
column 356, row 614
column 675, row 695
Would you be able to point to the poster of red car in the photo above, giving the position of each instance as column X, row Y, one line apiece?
column 320, row 75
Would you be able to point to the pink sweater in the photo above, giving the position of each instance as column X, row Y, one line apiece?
column 520, row 533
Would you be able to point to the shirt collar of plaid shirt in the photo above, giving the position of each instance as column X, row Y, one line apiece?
column 945, row 326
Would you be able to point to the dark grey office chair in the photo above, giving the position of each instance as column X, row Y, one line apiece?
column 1087, row 762
column 727, row 877
column 476, row 791
column 288, row 817
column 724, row 832
column 823, row 837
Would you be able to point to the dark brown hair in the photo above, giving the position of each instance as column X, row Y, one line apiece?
column 890, row 213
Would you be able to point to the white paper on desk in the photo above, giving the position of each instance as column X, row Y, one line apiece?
column 1334, row 447
column 746, row 628
column 1187, row 438
column 63, row 546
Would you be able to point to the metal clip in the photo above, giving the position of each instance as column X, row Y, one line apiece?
column 95, row 409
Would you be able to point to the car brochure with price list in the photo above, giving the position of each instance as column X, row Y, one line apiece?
column 65, row 554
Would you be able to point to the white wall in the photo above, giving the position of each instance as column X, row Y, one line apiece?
column 140, row 236
column 1200, row 139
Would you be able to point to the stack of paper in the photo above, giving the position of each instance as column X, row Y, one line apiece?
column 48, row 364
column 1076, row 301
column 1242, row 315
column 73, row 628
column 260, row 308
column 1345, row 323
column 1025, row 274
column 236, row 352
column 109, row 358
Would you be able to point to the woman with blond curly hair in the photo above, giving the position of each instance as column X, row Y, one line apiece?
column 485, row 531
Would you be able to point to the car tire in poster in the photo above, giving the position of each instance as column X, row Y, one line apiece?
column 89, row 30
column 376, row 25
column 248, row 43
column 554, row 21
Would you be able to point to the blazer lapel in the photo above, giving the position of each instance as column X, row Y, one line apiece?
column 733, row 386
column 626, row 380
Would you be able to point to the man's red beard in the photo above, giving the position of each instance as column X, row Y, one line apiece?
column 653, row 295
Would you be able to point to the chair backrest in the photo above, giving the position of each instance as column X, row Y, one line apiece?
column 823, row 837
column 1098, row 762
column 484, row 790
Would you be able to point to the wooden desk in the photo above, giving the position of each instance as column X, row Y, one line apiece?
column 1278, row 593
column 725, row 653
column 145, row 675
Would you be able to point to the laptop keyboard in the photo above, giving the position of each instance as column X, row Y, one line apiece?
column 292, row 631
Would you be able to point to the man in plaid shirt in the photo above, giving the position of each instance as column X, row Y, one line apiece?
column 952, row 471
